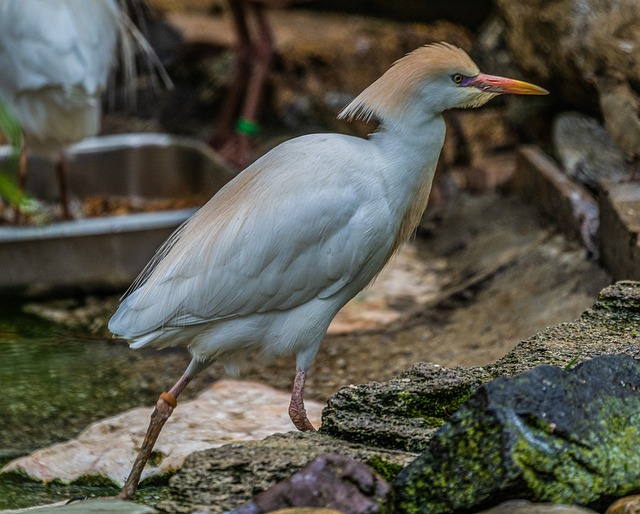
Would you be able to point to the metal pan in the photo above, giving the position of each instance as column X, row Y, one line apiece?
column 105, row 253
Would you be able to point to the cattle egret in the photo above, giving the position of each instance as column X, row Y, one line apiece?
column 267, row 263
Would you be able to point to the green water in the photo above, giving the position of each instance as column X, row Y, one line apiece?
column 55, row 382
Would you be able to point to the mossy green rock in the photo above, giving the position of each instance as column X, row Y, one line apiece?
column 404, row 413
column 546, row 435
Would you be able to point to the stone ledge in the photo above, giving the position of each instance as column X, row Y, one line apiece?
column 619, row 228
column 571, row 206
column 608, row 227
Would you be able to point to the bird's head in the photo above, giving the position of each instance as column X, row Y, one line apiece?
column 431, row 80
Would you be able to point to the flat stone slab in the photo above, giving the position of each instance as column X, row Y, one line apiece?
column 98, row 506
column 620, row 228
column 108, row 448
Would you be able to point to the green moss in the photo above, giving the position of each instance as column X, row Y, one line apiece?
column 470, row 443
column 387, row 470
column 92, row 481
column 471, row 461
column 435, row 408
column 158, row 480
column 563, row 471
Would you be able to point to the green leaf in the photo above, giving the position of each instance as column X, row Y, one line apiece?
column 10, row 127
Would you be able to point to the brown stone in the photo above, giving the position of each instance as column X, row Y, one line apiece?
column 567, row 44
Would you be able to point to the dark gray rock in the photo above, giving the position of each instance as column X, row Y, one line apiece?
column 225, row 478
column 403, row 413
column 332, row 481
column 546, row 435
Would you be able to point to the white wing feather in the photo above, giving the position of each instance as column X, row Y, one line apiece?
column 283, row 232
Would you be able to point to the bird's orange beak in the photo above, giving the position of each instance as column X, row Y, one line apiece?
column 502, row 85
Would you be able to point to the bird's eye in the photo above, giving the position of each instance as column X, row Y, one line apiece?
column 457, row 78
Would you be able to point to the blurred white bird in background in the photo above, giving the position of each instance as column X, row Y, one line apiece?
column 55, row 57
column 267, row 263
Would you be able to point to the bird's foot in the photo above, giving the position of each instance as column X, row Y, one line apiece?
column 297, row 412
column 165, row 405
column 299, row 418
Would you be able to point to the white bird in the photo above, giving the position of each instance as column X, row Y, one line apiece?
column 55, row 57
column 267, row 263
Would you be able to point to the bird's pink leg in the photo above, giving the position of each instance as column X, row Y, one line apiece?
column 62, row 167
column 263, row 51
column 237, row 148
column 297, row 412
column 164, row 408
column 225, row 127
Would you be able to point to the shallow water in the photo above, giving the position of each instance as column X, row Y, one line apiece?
column 54, row 384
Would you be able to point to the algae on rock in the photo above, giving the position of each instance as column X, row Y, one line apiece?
column 546, row 435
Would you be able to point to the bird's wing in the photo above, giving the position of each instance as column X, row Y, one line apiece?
column 272, row 239
column 57, row 43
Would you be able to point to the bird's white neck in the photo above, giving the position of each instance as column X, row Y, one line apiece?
column 411, row 153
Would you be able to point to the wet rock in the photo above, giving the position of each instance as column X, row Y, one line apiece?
column 586, row 151
column 525, row 507
column 107, row 449
column 90, row 506
column 403, row 413
column 225, row 478
column 546, row 434
column 330, row 480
